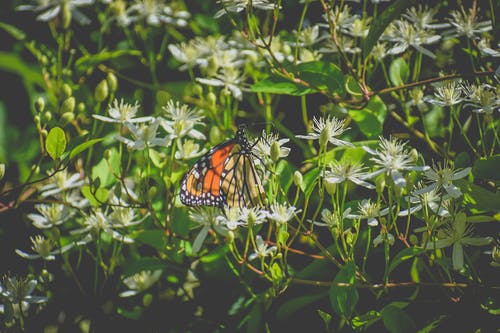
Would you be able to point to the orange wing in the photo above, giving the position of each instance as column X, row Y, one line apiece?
column 202, row 184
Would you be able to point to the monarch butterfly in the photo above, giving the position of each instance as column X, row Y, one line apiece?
column 226, row 175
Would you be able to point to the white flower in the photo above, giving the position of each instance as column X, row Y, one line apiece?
column 140, row 281
column 144, row 136
column 155, row 12
column 369, row 211
column 423, row 17
column 327, row 129
column 60, row 182
column 264, row 146
column 18, row 291
column 481, row 98
column 98, row 221
column 231, row 218
column 189, row 54
column 179, row 121
column 261, row 249
column 405, row 34
column 50, row 215
column 346, row 44
column 281, row 213
column 331, row 219
column 123, row 112
column 51, row 8
column 393, row 158
column 188, row 149
column 358, row 28
column 384, row 237
column 344, row 170
column 442, row 177
column 433, row 199
column 236, row 6
column 43, row 249
column 207, row 218
column 229, row 78
column 446, row 94
column 457, row 232
column 253, row 216
column 466, row 24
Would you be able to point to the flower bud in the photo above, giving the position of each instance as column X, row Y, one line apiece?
column 46, row 276
column 67, row 117
column 80, row 107
column 68, row 105
column 40, row 104
column 297, row 178
column 101, row 91
column 413, row 239
column 107, row 154
column 47, row 116
column 112, row 82
column 212, row 99
column 44, row 133
column 324, row 137
column 152, row 193
column 2, row 170
column 36, row 118
column 67, row 91
column 66, row 15
column 147, row 299
column 230, row 236
column 330, row 188
column 197, row 89
column 275, row 151
column 414, row 155
column 215, row 135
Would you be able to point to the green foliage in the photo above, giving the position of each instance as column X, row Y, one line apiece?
column 372, row 133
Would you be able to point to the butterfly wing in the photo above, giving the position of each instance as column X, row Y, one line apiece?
column 226, row 175
column 201, row 185
column 241, row 183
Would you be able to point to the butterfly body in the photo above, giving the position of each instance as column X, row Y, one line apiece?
column 226, row 175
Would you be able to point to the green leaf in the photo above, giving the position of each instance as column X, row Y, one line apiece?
column 309, row 180
column 366, row 319
column 322, row 75
column 370, row 120
column 327, row 318
column 134, row 314
column 487, row 168
column 480, row 198
column 254, row 318
column 289, row 308
column 344, row 298
column 274, row 84
column 83, row 146
column 396, row 320
column 55, row 143
column 403, row 255
column 13, row 31
column 153, row 238
column 352, row 87
column 96, row 199
column 102, row 169
column 378, row 26
column 399, row 72
column 276, row 272
column 90, row 60
column 433, row 122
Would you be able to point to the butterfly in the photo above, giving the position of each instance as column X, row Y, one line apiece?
column 226, row 175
